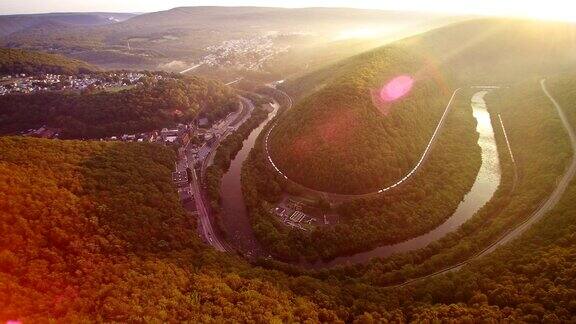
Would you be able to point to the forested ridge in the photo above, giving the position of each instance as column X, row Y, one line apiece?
column 152, row 106
column 345, row 138
column 541, row 151
column 14, row 61
column 95, row 231
column 336, row 140
column 530, row 279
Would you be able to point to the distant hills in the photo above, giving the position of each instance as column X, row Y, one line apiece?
column 264, row 18
column 182, row 34
column 15, row 23
column 336, row 139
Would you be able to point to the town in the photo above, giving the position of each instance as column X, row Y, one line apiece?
column 244, row 53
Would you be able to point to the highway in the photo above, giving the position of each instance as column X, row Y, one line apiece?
column 343, row 197
column 555, row 196
column 546, row 206
column 229, row 125
column 204, row 216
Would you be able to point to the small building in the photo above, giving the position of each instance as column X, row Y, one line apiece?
column 171, row 139
column 203, row 122
column 44, row 132
column 165, row 133
column 297, row 216
column 180, row 178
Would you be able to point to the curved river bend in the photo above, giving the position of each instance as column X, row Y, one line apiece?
column 237, row 223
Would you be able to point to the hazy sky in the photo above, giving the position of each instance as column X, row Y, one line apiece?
column 553, row 9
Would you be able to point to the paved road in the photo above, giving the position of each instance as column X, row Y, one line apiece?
column 204, row 216
column 553, row 199
column 231, row 124
column 547, row 205
column 206, row 228
column 191, row 68
column 234, row 81
column 342, row 197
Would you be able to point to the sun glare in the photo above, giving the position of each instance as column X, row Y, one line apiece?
column 366, row 32
column 560, row 10
column 396, row 88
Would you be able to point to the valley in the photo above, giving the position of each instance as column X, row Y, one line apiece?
column 269, row 165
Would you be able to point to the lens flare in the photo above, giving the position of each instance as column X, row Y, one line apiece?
column 396, row 88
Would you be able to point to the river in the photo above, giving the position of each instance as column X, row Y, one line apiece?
column 485, row 184
column 235, row 222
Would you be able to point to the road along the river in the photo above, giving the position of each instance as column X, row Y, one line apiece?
column 336, row 197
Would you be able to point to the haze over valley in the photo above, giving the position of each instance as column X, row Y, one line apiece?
column 241, row 164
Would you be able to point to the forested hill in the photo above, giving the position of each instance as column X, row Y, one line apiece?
column 20, row 61
column 151, row 106
column 337, row 138
column 94, row 231
column 350, row 137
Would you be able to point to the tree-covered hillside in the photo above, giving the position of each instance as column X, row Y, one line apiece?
column 337, row 139
column 414, row 208
column 499, row 50
column 151, row 106
column 354, row 137
column 95, row 232
column 19, row 61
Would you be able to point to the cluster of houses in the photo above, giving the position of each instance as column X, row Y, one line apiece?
column 23, row 83
column 245, row 53
column 178, row 136
column 195, row 134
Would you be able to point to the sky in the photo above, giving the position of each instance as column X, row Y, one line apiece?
column 547, row 9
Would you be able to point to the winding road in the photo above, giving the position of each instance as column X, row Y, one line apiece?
column 546, row 206
column 343, row 197
column 232, row 122
column 555, row 196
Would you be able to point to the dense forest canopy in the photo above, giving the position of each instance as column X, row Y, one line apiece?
column 349, row 137
column 95, row 231
column 151, row 106
column 14, row 61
